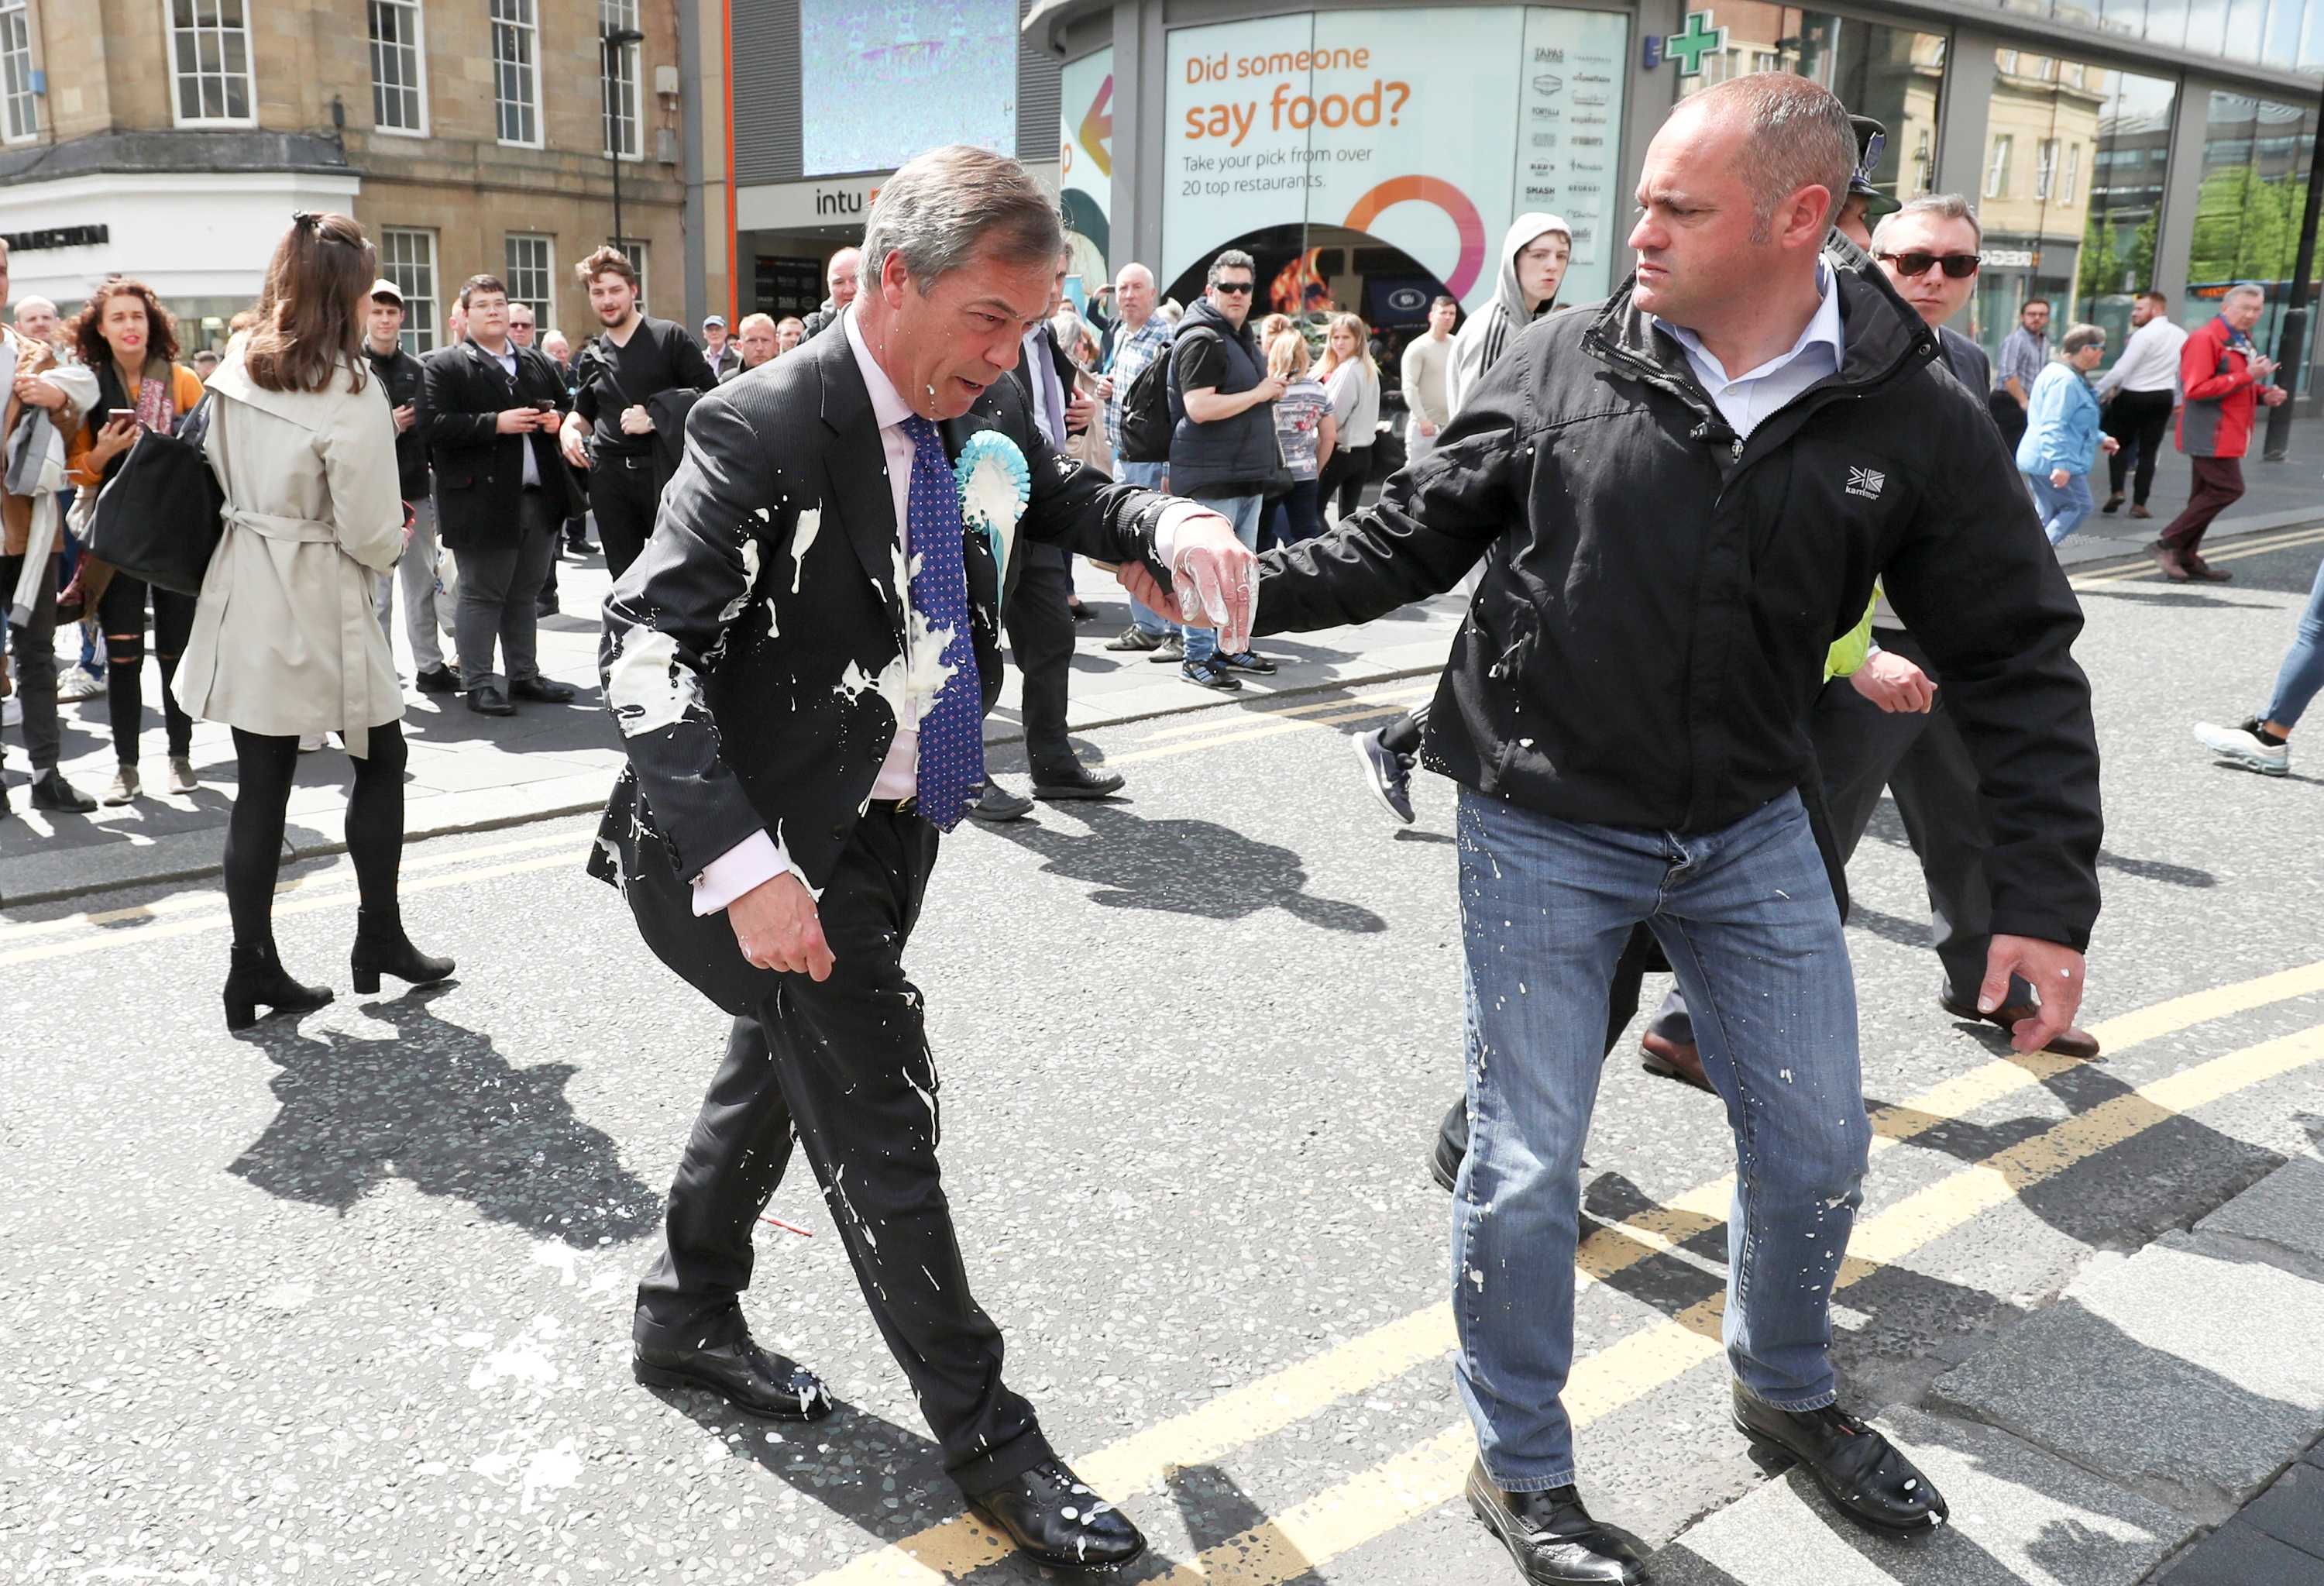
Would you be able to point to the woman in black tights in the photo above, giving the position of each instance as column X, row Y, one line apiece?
column 285, row 640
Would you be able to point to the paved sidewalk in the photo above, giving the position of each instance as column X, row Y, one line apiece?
column 470, row 772
column 2158, row 1423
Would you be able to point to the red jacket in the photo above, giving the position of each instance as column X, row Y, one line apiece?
column 2219, row 393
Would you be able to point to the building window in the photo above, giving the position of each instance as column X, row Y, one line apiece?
column 399, row 80
column 407, row 256
column 1996, row 167
column 24, row 110
column 2045, row 168
column 2073, row 173
column 210, row 43
column 532, row 268
column 620, row 64
column 516, row 72
column 636, row 252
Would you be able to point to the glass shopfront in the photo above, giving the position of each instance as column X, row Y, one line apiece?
column 2256, row 156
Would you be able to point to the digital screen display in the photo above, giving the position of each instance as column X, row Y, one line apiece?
column 882, row 81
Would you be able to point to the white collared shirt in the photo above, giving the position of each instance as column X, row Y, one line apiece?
column 507, row 361
column 1747, row 400
column 760, row 857
column 2149, row 361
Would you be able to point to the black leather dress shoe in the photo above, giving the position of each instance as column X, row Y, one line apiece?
column 52, row 792
column 752, row 1381
column 1074, row 782
column 1056, row 1521
column 1858, row 1469
column 1552, row 1538
column 438, row 679
column 996, row 804
column 541, row 690
column 1451, row 1146
column 489, row 701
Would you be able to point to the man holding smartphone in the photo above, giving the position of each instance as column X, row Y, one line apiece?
column 490, row 412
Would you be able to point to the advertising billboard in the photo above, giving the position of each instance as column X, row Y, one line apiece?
column 1085, row 148
column 881, row 82
column 1426, row 130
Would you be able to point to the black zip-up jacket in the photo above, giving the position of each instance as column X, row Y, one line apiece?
column 1658, row 595
column 402, row 380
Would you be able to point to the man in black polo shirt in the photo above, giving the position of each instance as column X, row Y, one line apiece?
column 611, row 430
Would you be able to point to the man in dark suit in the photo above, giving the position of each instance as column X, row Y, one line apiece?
column 1039, row 609
column 799, row 663
column 492, row 409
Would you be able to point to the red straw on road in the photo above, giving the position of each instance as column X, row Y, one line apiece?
column 788, row 1227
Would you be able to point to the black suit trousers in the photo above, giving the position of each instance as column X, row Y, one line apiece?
column 2139, row 419
column 846, row 1063
column 1040, row 625
column 624, row 492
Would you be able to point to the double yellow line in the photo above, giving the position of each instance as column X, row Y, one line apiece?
column 1374, row 1501
column 2260, row 544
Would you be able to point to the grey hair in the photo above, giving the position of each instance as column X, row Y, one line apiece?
column 1943, row 205
column 1798, row 136
column 2081, row 336
column 947, row 205
column 2243, row 289
column 1232, row 259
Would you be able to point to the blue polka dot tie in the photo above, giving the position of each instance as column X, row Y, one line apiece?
column 952, row 727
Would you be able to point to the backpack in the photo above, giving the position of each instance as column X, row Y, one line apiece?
column 160, row 517
column 1147, row 412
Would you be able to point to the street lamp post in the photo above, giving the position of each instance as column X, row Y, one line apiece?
column 611, row 43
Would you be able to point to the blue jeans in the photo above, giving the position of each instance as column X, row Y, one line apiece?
column 1242, row 511
column 2302, row 672
column 1747, row 919
column 1151, row 475
column 2062, row 510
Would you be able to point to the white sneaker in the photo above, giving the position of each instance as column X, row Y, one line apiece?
column 183, row 779
column 124, row 787
column 11, row 712
column 77, row 684
column 310, row 742
column 2245, row 747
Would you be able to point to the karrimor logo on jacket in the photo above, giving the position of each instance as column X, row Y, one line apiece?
column 1866, row 483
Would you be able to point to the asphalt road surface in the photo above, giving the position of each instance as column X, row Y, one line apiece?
column 348, row 1300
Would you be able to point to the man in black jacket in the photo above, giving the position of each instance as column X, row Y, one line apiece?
column 427, row 610
column 1668, row 551
column 611, row 430
column 490, row 409
column 798, row 664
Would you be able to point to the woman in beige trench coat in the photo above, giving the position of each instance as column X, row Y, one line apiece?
column 286, row 640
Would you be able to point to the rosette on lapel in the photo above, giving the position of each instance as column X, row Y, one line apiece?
column 995, row 484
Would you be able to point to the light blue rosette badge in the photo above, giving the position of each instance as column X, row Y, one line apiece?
column 995, row 484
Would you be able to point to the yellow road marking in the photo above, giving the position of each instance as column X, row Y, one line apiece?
column 340, row 874
column 1374, row 1502
column 958, row 1546
column 297, row 906
column 2233, row 551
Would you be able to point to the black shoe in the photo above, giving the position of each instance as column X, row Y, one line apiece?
column 489, row 701
column 1081, row 613
column 2113, row 505
column 1210, row 675
column 52, row 792
column 1056, row 1521
column 1387, row 773
column 256, row 979
column 754, row 1381
column 581, row 546
column 996, row 804
column 1451, row 1147
column 1136, row 638
column 545, row 606
column 382, row 948
column 1074, row 780
column 541, row 690
column 1552, row 1538
column 1247, row 661
column 438, row 679
column 1172, row 648
column 1858, row 1469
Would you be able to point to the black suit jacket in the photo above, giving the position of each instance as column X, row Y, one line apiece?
column 480, row 472
column 749, row 652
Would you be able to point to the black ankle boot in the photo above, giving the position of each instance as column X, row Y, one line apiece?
column 383, row 948
column 256, row 979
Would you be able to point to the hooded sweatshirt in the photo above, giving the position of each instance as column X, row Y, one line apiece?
column 1488, row 332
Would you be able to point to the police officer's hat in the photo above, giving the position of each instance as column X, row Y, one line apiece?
column 1871, row 140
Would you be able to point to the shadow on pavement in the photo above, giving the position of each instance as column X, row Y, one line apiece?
column 1181, row 867
column 437, row 1106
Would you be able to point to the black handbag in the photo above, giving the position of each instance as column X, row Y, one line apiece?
column 160, row 517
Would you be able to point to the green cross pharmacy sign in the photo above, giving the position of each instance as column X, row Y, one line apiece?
column 1689, row 46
